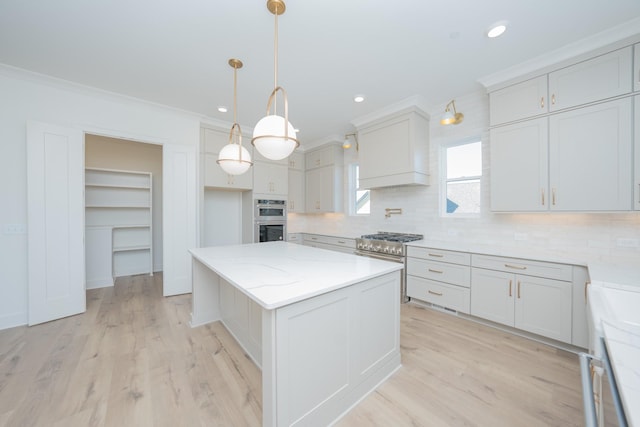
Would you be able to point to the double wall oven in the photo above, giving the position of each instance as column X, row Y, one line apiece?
column 388, row 246
column 270, row 218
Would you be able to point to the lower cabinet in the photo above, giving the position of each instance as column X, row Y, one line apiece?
column 339, row 244
column 439, row 277
column 539, row 305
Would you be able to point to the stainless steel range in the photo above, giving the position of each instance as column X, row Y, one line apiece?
column 390, row 247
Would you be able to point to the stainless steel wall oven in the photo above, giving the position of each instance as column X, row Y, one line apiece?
column 270, row 218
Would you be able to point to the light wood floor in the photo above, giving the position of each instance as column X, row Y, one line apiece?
column 133, row 360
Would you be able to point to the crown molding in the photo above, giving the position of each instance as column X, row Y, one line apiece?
column 22, row 74
column 615, row 37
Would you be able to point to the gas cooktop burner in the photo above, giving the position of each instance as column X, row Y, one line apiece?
column 393, row 237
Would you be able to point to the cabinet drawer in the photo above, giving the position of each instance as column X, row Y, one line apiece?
column 315, row 238
column 522, row 266
column 449, row 296
column 452, row 257
column 339, row 241
column 442, row 272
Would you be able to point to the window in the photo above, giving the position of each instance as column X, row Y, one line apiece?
column 462, row 170
column 360, row 201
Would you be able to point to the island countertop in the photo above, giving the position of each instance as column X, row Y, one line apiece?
column 276, row 274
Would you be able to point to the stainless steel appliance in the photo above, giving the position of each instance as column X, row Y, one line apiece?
column 270, row 218
column 388, row 246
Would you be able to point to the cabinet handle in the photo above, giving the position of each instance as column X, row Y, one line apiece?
column 518, row 289
column 553, row 99
column 586, row 285
column 542, row 191
column 542, row 102
column 436, row 255
column 517, row 267
column 553, row 197
column 435, row 271
column 435, row 293
column 510, row 285
column 342, row 242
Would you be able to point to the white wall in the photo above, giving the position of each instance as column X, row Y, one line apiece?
column 581, row 236
column 27, row 96
column 112, row 153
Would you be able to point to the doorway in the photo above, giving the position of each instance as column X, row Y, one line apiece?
column 123, row 209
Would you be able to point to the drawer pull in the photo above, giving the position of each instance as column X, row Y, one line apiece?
column 342, row 242
column 435, row 293
column 517, row 267
column 518, row 289
column 436, row 255
column 436, row 271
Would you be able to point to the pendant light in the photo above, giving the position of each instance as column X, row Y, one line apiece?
column 234, row 159
column 273, row 136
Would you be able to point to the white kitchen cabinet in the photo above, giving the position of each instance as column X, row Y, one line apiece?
column 578, row 160
column 590, row 158
column 580, row 329
column 439, row 277
column 394, row 150
column 595, row 79
column 214, row 176
column 636, row 150
column 270, row 179
column 519, row 167
column 514, row 294
column 519, row 101
column 295, row 202
column 122, row 202
column 323, row 180
column 636, row 67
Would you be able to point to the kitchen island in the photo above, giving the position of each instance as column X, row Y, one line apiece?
column 323, row 326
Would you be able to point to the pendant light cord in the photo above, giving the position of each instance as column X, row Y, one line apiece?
column 275, row 63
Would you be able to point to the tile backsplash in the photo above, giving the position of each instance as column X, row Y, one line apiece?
column 607, row 237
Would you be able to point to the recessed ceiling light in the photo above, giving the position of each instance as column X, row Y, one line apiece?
column 358, row 98
column 497, row 29
column 222, row 109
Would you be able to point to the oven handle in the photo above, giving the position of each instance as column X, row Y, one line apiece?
column 590, row 417
column 380, row 256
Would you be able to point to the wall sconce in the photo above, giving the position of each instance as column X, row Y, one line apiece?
column 449, row 117
column 347, row 142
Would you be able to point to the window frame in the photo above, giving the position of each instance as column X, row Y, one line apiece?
column 444, row 181
column 353, row 189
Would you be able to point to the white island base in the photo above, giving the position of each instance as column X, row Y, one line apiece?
column 323, row 326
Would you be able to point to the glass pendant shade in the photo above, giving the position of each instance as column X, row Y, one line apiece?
column 269, row 137
column 234, row 159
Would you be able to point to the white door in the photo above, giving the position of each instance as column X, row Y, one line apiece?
column 179, row 216
column 55, row 204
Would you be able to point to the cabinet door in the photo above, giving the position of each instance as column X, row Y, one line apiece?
column 602, row 77
column 313, row 187
column 543, row 307
column 519, row 101
column 519, row 166
column 296, row 191
column 296, row 161
column 261, row 178
column 270, row 178
column 280, row 179
column 636, row 68
column 636, row 150
column 492, row 295
column 590, row 158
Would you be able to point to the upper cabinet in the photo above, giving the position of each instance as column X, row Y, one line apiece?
column 636, row 68
column 323, row 179
column 394, row 150
column 519, row 101
column 214, row 176
column 593, row 80
column 295, row 203
column 596, row 79
column 569, row 148
column 636, row 179
column 270, row 177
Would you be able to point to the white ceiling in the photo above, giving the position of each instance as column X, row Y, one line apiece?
column 176, row 52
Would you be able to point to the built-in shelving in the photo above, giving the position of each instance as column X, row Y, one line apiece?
column 120, row 202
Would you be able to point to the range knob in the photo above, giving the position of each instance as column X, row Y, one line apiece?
column 386, row 249
column 399, row 251
column 392, row 251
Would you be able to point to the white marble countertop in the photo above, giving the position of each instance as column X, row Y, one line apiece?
column 614, row 303
column 275, row 274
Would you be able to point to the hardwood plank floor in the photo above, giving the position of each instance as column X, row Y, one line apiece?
column 133, row 360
